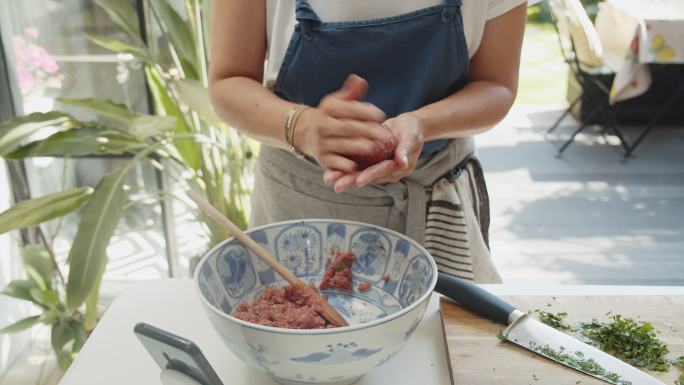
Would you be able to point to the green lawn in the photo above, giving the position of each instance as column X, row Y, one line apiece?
column 543, row 73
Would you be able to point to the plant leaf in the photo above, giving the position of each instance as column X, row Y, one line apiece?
column 139, row 51
column 79, row 335
column 26, row 290
column 91, row 303
column 33, row 211
column 79, row 142
column 39, row 266
column 179, row 35
column 146, row 126
column 48, row 297
column 20, row 289
column 140, row 125
column 52, row 316
column 67, row 339
column 188, row 150
column 123, row 15
column 15, row 130
column 197, row 98
column 207, row 6
column 106, row 108
column 21, row 325
column 88, row 252
column 61, row 338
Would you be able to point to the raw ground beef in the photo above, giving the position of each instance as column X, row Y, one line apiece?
column 290, row 307
column 338, row 275
column 285, row 307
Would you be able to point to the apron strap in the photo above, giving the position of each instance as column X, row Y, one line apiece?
column 306, row 16
column 409, row 198
column 451, row 8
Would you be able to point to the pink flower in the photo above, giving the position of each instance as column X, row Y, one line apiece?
column 50, row 65
column 32, row 32
column 36, row 57
column 26, row 80
column 36, row 69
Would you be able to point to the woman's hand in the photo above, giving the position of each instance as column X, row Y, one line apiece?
column 409, row 133
column 341, row 126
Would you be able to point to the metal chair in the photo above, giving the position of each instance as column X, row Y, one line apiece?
column 584, row 67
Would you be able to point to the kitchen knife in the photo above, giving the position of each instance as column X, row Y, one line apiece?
column 542, row 339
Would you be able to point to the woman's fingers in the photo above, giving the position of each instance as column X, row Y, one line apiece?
column 337, row 162
column 383, row 170
column 345, row 103
column 351, row 109
column 401, row 157
column 331, row 176
column 360, row 129
column 354, row 88
column 350, row 147
column 346, row 182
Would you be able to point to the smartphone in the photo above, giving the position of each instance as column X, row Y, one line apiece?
column 177, row 353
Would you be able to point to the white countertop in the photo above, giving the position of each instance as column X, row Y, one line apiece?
column 114, row 356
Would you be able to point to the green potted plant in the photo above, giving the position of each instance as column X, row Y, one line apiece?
column 184, row 138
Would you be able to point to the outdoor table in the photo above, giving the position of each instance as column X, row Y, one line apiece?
column 113, row 355
column 643, row 33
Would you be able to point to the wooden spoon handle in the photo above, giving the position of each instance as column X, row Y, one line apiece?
column 328, row 312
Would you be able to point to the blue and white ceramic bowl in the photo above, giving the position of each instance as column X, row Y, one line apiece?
column 381, row 319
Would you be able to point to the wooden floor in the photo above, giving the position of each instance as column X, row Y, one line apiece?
column 587, row 217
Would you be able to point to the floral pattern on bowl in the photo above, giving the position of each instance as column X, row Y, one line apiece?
column 401, row 275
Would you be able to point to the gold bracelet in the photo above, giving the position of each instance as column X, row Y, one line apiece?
column 289, row 130
column 293, row 127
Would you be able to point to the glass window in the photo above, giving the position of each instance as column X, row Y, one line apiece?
column 48, row 57
column 11, row 310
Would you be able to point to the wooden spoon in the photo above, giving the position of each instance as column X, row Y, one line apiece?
column 328, row 312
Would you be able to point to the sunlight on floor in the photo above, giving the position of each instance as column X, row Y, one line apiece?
column 586, row 217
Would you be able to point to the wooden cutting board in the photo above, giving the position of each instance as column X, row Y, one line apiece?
column 477, row 357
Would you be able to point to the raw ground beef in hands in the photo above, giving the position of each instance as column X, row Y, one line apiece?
column 338, row 275
column 285, row 307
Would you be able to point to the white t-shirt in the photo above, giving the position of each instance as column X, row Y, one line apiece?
column 281, row 20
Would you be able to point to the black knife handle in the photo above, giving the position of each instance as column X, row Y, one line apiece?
column 474, row 298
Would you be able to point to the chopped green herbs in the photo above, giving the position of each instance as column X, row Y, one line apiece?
column 679, row 362
column 680, row 381
column 633, row 342
column 554, row 319
column 576, row 360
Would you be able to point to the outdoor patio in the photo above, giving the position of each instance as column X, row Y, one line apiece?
column 587, row 217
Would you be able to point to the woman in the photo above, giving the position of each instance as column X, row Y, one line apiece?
column 344, row 75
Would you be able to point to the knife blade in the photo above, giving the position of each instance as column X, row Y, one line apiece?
column 542, row 339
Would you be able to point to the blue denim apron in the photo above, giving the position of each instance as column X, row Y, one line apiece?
column 409, row 60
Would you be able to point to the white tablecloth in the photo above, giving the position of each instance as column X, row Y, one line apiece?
column 642, row 32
